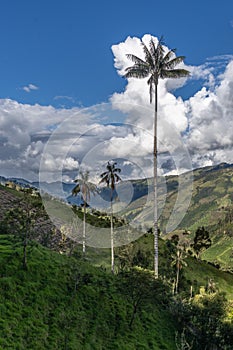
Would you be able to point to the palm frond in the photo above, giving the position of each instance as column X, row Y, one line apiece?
column 156, row 51
column 153, row 50
column 174, row 73
column 117, row 170
column 135, row 59
column 161, row 41
column 148, row 57
column 76, row 190
column 136, row 72
column 104, row 174
column 117, row 177
column 168, row 56
column 105, row 180
column 159, row 52
column 174, row 62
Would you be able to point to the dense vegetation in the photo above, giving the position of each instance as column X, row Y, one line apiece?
column 59, row 299
column 62, row 302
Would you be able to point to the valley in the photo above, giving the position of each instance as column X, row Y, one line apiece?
column 62, row 299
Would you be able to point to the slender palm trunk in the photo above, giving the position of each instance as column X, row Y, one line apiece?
column 84, row 229
column 112, row 237
column 156, row 253
column 25, row 243
column 177, row 276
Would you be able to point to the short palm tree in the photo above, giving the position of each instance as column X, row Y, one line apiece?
column 156, row 64
column 178, row 260
column 85, row 188
column 110, row 178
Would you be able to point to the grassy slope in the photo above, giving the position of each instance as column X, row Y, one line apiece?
column 40, row 308
column 197, row 272
column 212, row 193
column 212, row 198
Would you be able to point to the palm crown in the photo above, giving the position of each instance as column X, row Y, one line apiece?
column 84, row 186
column 157, row 64
column 110, row 177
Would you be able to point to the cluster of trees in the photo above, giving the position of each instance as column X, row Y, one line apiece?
column 110, row 177
column 20, row 222
column 157, row 64
column 203, row 322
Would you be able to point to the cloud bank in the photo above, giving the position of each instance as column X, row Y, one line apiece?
column 205, row 120
column 201, row 124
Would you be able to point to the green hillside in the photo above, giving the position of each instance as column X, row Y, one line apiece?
column 60, row 300
column 64, row 303
column 211, row 197
column 211, row 206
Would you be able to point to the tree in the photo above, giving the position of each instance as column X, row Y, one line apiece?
column 110, row 178
column 125, row 256
column 208, row 316
column 157, row 64
column 85, row 188
column 21, row 223
column 201, row 240
column 178, row 262
column 139, row 287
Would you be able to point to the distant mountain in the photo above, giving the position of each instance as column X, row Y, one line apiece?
column 212, row 193
column 56, row 189
column 3, row 180
column 211, row 204
column 21, row 182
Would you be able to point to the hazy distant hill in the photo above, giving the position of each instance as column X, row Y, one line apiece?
column 211, row 204
column 211, row 196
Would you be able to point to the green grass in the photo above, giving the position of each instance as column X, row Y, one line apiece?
column 220, row 251
column 199, row 272
column 41, row 308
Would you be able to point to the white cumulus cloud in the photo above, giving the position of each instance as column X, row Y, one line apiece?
column 211, row 121
column 204, row 121
column 69, row 138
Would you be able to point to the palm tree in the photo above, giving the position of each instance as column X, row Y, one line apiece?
column 157, row 64
column 179, row 262
column 110, row 178
column 85, row 188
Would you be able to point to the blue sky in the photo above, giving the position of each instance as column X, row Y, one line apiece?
column 63, row 48
column 60, row 57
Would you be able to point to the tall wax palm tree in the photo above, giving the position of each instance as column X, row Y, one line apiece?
column 156, row 64
column 85, row 188
column 110, row 178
